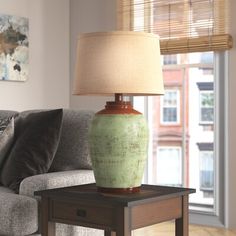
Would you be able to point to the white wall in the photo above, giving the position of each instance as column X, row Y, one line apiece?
column 89, row 16
column 48, row 83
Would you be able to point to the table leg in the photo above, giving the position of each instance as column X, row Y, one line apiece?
column 123, row 222
column 182, row 224
column 47, row 228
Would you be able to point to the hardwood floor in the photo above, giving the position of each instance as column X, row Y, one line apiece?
column 167, row 229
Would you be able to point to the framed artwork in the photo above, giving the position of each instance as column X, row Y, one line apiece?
column 14, row 48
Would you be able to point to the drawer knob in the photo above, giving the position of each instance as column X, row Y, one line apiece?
column 81, row 213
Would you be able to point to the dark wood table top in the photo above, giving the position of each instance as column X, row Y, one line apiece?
column 89, row 193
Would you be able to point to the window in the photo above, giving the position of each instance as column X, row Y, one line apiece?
column 170, row 59
column 187, row 27
column 183, row 26
column 206, row 107
column 206, row 171
column 170, row 107
column 169, row 166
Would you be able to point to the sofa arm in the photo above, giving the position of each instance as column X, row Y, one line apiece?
column 18, row 214
column 55, row 180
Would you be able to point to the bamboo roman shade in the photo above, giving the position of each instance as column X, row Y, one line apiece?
column 183, row 25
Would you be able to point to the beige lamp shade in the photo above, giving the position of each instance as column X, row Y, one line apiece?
column 124, row 62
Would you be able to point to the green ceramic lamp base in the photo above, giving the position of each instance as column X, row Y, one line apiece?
column 118, row 139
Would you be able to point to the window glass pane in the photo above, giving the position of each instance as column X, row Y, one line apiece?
column 206, row 171
column 207, row 58
column 169, row 161
column 170, row 59
column 207, row 114
column 207, row 99
column 169, row 114
column 201, row 131
column 183, row 153
column 206, row 106
column 170, row 99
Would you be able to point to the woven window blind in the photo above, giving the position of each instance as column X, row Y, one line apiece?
column 183, row 25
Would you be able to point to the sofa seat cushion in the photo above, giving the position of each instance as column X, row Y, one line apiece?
column 18, row 214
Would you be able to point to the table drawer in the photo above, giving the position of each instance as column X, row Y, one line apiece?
column 75, row 213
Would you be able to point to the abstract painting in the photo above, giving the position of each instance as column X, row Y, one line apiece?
column 14, row 48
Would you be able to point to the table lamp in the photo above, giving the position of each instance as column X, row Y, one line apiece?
column 118, row 63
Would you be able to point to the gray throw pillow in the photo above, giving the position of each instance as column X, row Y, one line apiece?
column 73, row 150
column 6, row 137
column 4, row 123
column 36, row 143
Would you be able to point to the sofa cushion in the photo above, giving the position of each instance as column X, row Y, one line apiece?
column 73, row 151
column 6, row 137
column 8, row 113
column 4, row 123
column 5, row 190
column 55, row 180
column 18, row 214
column 35, row 146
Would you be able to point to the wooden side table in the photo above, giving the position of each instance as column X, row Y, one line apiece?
column 115, row 214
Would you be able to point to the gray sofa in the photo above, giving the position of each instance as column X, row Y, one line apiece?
column 71, row 166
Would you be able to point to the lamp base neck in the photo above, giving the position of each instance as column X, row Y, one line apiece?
column 118, row 107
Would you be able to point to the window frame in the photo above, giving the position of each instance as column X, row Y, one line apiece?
column 220, row 143
column 197, row 216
